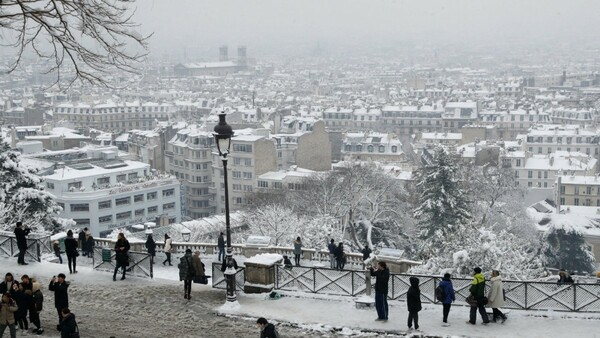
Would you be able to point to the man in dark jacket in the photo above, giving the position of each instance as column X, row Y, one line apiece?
column 332, row 247
column 61, row 297
column 221, row 246
column 151, row 247
column 267, row 330
column 413, row 302
column 186, row 273
column 448, row 289
column 21, row 236
column 477, row 291
column 81, row 238
column 121, row 255
column 382, row 278
column 68, row 324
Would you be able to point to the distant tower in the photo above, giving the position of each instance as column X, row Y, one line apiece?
column 242, row 61
column 223, row 53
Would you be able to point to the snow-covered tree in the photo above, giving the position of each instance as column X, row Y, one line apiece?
column 22, row 195
column 443, row 208
column 565, row 248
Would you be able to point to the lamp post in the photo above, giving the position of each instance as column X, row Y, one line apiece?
column 223, row 134
column 186, row 234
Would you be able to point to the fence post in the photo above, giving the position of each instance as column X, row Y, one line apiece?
column 435, row 283
column 151, row 259
column 525, row 283
column 352, row 290
column 39, row 254
column 314, row 290
column 574, row 296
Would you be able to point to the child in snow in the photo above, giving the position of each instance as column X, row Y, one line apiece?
column 413, row 301
column 287, row 263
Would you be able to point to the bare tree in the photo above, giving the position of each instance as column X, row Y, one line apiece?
column 84, row 40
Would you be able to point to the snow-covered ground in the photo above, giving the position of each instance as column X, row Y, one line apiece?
column 139, row 307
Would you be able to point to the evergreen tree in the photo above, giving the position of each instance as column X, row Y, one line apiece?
column 443, row 205
column 565, row 248
column 22, row 195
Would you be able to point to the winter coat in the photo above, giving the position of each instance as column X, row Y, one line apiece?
column 122, row 256
column 382, row 278
column 7, row 312
column 339, row 253
column 477, row 288
column 186, row 267
column 446, row 285
column 221, row 242
column 332, row 248
column 297, row 247
column 565, row 280
column 151, row 246
column 71, row 247
column 56, row 248
column 20, row 235
column 37, row 297
column 61, row 296
column 22, row 302
column 81, row 236
column 366, row 253
column 198, row 266
column 68, row 326
column 168, row 245
column 268, row 331
column 89, row 243
column 496, row 294
column 413, row 295
column 5, row 287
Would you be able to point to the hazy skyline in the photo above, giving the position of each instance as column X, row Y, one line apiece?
column 280, row 27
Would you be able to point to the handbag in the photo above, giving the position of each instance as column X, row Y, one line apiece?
column 76, row 333
column 200, row 280
column 76, row 253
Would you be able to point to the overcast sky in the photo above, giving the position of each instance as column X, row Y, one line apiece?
column 272, row 26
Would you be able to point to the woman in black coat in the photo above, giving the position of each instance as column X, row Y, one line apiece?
column 71, row 251
column 413, row 301
column 340, row 256
column 122, row 249
column 151, row 247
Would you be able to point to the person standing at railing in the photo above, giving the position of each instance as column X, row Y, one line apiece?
column 122, row 255
column 413, row 302
column 340, row 256
column 151, row 247
column 382, row 279
column 89, row 244
column 21, row 236
column 221, row 247
column 71, row 251
column 56, row 248
column 81, row 239
column 332, row 249
column 448, row 297
column 297, row 250
column 167, row 249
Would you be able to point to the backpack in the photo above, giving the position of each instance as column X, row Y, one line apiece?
column 440, row 295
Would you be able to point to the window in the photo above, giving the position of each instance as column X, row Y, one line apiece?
column 103, row 180
column 359, row 147
column 138, row 198
column 248, row 162
column 529, row 184
column 562, row 189
column 123, row 215
column 244, row 148
column 152, row 210
column 139, row 212
column 80, row 207
column 518, row 162
column 247, row 188
column 49, row 185
column 74, row 185
column 576, row 201
column 263, row 184
column 236, row 160
column 247, row 175
column 236, row 174
column 576, row 190
column 394, row 149
column 370, row 148
column 132, row 176
column 168, row 192
column 381, row 149
column 588, row 190
column 238, row 200
column 237, row 187
column 546, row 174
column 151, row 196
column 168, row 206
column 279, row 185
column 121, row 178
column 105, row 219
column 529, row 174
column 123, row 201
column 82, row 222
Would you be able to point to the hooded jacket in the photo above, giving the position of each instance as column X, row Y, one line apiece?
column 496, row 294
column 446, row 285
column 477, row 288
column 413, row 295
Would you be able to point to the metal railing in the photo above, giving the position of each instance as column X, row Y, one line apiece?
column 36, row 246
column 524, row 295
column 218, row 278
column 140, row 263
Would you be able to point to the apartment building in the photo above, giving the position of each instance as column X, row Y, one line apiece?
column 337, row 118
column 371, row 146
column 540, row 171
column 510, row 123
column 580, row 117
column 572, row 190
column 548, row 138
column 99, row 191
column 405, row 120
column 458, row 114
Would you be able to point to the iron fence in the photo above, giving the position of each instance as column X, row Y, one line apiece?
column 218, row 278
column 524, row 295
column 36, row 246
column 140, row 263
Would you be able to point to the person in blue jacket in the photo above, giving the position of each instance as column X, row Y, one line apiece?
column 449, row 298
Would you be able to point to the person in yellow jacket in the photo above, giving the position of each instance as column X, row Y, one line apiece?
column 478, row 299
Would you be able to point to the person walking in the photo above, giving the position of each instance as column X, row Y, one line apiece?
column 36, row 301
column 68, row 326
column 56, row 248
column 186, row 273
column 167, row 249
column 267, row 330
column 151, row 247
column 6, row 285
column 449, row 297
column 89, row 244
column 221, row 247
column 18, row 295
column 332, row 249
column 60, row 288
column 340, row 256
column 71, row 251
column 81, row 240
column 198, row 265
column 122, row 255
column 413, row 302
column 382, row 279
column 21, row 237
column 477, row 302
column 496, row 297
column 8, row 307
column 297, row 250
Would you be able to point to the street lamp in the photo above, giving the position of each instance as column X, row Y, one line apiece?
column 185, row 234
column 223, row 134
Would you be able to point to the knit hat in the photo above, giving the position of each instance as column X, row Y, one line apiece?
column 477, row 270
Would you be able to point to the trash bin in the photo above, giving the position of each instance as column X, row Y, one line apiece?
column 106, row 255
